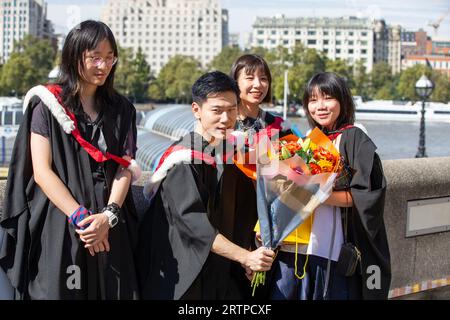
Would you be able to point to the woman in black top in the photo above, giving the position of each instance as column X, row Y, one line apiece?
column 69, row 215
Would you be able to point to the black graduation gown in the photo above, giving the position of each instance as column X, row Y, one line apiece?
column 366, row 228
column 193, row 204
column 41, row 250
column 266, row 119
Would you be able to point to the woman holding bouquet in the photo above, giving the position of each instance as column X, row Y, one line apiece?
column 352, row 214
column 69, row 217
column 254, row 79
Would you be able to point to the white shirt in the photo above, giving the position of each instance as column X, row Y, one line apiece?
column 322, row 230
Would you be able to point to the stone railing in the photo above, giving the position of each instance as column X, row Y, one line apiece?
column 419, row 263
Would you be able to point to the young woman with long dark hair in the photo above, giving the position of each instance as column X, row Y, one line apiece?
column 69, row 217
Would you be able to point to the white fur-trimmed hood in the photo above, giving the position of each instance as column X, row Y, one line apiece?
column 176, row 157
column 54, row 106
column 57, row 110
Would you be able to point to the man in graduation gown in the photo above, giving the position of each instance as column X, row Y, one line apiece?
column 41, row 252
column 366, row 228
column 195, row 236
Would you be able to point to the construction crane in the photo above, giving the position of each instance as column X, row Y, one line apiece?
column 437, row 23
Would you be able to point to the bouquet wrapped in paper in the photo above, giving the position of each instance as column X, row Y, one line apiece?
column 293, row 177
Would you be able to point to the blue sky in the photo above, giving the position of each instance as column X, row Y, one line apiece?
column 411, row 14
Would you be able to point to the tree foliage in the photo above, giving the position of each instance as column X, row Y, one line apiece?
column 381, row 81
column 1, row 88
column 132, row 74
column 29, row 65
column 124, row 71
column 340, row 67
column 175, row 79
column 360, row 83
column 225, row 59
column 302, row 63
column 441, row 91
column 140, row 76
column 32, row 59
column 409, row 77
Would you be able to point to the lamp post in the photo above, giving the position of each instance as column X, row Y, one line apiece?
column 424, row 88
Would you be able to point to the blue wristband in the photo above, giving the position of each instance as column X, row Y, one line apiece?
column 78, row 215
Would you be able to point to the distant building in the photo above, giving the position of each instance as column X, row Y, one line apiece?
column 247, row 40
column 437, row 62
column 19, row 18
column 346, row 38
column 438, row 46
column 387, row 45
column 233, row 40
column 165, row 28
column 413, row 43
column 419, row 48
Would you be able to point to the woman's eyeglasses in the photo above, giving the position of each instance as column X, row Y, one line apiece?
column 98, row 61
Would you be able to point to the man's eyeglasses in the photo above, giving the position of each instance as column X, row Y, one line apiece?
column 97, row 61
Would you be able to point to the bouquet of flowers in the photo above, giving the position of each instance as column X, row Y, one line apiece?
column 293, row 177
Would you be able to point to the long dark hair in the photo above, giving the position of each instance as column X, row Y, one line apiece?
column 85, row 36
column 251, row 63
column 334, row 86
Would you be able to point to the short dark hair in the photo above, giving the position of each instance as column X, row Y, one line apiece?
column 331, row 84
column 85, row 36
column 212, row 83
column 251, row 63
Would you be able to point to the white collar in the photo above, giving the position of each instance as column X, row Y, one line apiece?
column 52, row 104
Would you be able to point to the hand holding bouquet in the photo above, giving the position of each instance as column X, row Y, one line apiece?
column 294, row 176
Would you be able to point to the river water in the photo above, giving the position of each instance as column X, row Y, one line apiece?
column 394, row 139
column 400, row 139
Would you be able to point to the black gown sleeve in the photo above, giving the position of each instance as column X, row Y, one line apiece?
column 187, row 198
column 366, row 223
column 130, row 146
column 16, row 213
column 368, row 185
column 191, row 234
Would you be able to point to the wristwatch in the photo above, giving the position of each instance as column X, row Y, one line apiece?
column 112, row 218
column 112, row 211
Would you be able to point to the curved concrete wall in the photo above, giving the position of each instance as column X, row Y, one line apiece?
column 415, row 260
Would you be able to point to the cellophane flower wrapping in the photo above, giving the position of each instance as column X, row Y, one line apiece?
column 293, row 177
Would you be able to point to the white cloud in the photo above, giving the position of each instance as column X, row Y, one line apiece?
column 66, row 16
